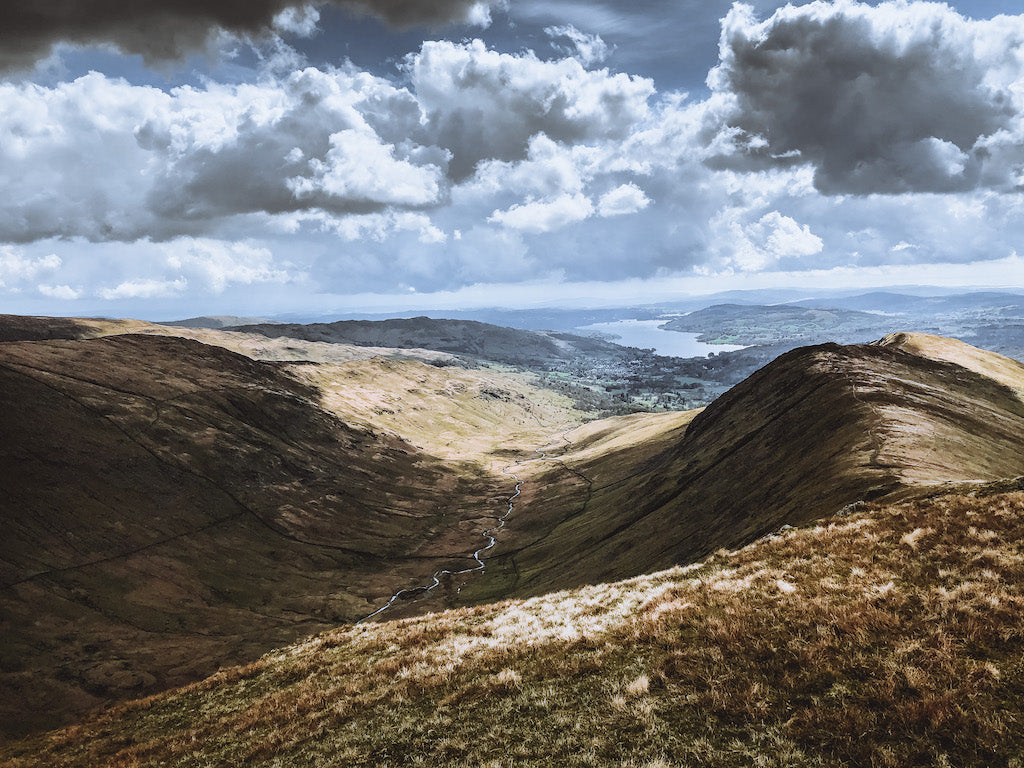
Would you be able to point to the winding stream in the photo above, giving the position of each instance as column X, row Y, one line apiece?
column 405, row 594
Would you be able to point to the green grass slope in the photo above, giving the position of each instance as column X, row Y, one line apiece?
column 887, row 637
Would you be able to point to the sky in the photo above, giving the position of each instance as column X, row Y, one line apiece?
column 165, row 158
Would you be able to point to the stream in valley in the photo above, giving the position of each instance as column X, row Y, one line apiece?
column 489, row 534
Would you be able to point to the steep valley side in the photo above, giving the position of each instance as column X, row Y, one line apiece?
column 170, row 507
column 173, row 506
column 818, row 429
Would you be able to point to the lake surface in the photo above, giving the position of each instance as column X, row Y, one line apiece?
column 647, row 335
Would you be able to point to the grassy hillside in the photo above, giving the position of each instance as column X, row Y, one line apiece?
column 254, row 345
column 454, row 413
column 463, row 337
column 887, row 637
column 1005, row 370
column 818, row 429
column 173, row 506
column 170, row 506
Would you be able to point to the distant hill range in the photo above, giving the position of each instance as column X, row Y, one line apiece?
column 901, row 303
column 641, row 379
column 170, row 506
column 216, row 322
column 992, row 320
column 779, row 323
column 460, row 337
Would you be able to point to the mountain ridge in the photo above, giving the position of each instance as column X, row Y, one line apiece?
column 820, row 428
column 381, row 471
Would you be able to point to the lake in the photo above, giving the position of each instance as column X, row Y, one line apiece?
column 647, row 335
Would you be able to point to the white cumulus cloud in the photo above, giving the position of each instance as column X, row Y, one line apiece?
column 16, row 267
column 589, row 49
column 62, row 292
column 216, row 265
column 359, row 167
column 540, row 216
column 772, row 240
column 143, row 289
column 482, row 104
column 624, row 199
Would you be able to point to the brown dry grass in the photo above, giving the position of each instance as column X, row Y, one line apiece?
column 260, row 347
column 453, row 412
column 890, row 637
column 1005, row 370
column 638, row 433
column 478, row 415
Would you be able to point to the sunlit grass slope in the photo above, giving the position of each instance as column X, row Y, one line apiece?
column 1005, row 370
column 888, row 637
column 451, row 412
column 169, row 507
column 817, row 429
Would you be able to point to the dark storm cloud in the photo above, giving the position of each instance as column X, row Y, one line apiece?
column 895, row 98
column 169, row 29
